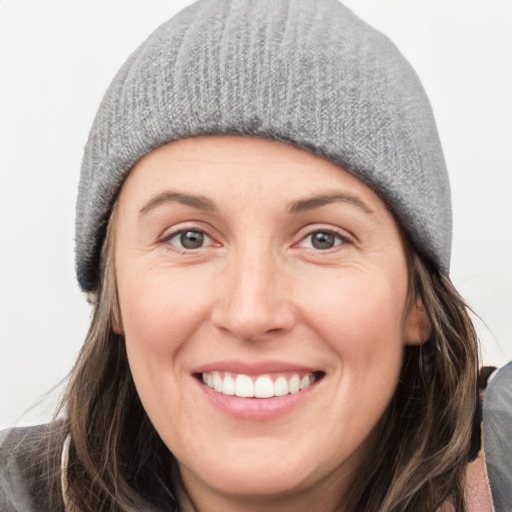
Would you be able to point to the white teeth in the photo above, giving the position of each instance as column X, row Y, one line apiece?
column 229, row 385
column 262, row 386
column 305, row 382
column 281, row 387
column 294, row 384
column 217, row 381
column 244, row 386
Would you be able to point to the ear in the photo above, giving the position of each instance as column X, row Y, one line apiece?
column 116, row 320
column 117, row 328
column 416, row 325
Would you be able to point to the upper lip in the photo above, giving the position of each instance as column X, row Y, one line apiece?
column 254, row 368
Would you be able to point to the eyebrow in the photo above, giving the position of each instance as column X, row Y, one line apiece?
column 310, row 203
column 199, row 202
column 301, row 205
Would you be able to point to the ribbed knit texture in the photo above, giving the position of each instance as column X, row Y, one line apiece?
column 305, row 72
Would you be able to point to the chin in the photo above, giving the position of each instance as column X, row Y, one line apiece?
column 255, row 478
column 264, row 468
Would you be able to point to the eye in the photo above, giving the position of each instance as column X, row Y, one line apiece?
column 189, row 239
column 323, row 240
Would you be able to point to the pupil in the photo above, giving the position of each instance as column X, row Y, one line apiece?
column 322, row 240
column 191, row 239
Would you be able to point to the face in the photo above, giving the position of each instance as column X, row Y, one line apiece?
column 263, row 297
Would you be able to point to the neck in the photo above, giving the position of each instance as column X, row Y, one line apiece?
column 325, row 497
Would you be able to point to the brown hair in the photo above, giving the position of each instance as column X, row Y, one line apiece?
column 418, row 464
column 117, row 461
column 427, row 433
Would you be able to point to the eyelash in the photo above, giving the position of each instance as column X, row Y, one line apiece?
column 339, row 240
column 168, row 239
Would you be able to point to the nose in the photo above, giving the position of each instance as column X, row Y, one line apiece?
column 253, row 304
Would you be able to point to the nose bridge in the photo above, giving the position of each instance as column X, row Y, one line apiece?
column 253, row 300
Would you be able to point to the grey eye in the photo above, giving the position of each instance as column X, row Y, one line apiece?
column 191, row 239
column 323, row 240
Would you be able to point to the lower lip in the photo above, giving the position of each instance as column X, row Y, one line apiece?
column 255, row 409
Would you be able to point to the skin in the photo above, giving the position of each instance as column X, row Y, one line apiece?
column 259, row 290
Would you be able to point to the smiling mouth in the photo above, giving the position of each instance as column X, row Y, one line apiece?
column 258, row 386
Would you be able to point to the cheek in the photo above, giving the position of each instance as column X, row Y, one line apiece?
column 361, row 318
column 160, row 309
column 161, row 313
column 352, row 306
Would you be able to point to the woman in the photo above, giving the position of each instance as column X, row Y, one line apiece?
column 263, row 224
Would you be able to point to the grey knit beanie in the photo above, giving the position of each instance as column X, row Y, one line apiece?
column 305, row 72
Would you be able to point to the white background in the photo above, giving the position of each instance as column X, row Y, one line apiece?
column 56, row 60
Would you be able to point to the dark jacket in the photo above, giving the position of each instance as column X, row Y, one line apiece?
column 497, row 435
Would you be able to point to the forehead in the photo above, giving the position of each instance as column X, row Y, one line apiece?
column 232, row 166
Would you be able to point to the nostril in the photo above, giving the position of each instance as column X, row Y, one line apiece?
column 253, row 303
column 252, row 324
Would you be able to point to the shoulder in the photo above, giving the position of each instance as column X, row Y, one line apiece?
column 477, row 493
column 23, row 469
column 498, row 396
column 491, row 472
column 497, row 437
